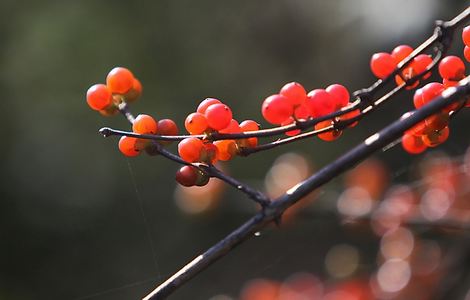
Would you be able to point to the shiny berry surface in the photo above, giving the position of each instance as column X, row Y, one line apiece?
column 190, row 149
column 382, row 64
column 294, row 92
column 339, row 94
column 120, row 80
column 452, row 68
column 98, row 97
column 320, row 103
column 276, row 109
column 218, row 116
column 206, row 103
column 196, row 123
column 128, row 146
column 144, row 124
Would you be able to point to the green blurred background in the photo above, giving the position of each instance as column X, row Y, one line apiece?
column 80, row 221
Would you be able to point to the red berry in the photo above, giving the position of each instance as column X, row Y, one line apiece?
column 218, row 116
column 135, row 92
column 195, row 123
column 249, row 125
column 406, row 74
column 128, row 146
column 466, row 53
column 452, row 68
column 437, row 121
column 99, row 97
column 436, row 138
column 144, row 124
column 120, row 80
column 276, row 109
column 209, row 153
column 420, row 63
column 167, row 127
column 329, row 135
column 206, row 103
column 382, row 64
column 227, row 149
column 350, row 115
column 320, row 103
column 419, row 129
column 340, row 95
column 401, row 52
column 186, row 176
column 431, row 91
column 412, row 144
column 190, row 149
column 294, row 92
column 302, row 112
column 418, row 98
column 233, row 127
column 466, row 36
column 449, row 83
column 289, row 121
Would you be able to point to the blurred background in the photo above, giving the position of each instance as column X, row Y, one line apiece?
column 80, row 221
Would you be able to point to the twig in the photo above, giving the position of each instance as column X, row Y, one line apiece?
column 210, row 170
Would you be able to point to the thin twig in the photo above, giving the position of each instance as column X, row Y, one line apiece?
column 209, row 169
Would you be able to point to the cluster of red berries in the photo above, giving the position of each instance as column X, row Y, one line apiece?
column 294, row 104
column 290, row 105
column 434, row 130
column 466, row 41
column 383, row 64
column 213, row 116
column 121, row 85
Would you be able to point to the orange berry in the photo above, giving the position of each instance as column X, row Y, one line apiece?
column 404, row 75
column 195, row 123
column 167, row 127
column 329, row 135
column 289, row 121
column 128, row 146
column 135, row 92
column 436, row 138
column 233, row 127
column 350, row 115
column 99, row 97
column 249, row 125
column 209, row 153
column 218, row 116
column 206, row 103
column 437, row 121
column 190, row 149
column 120, row 80
column 227, row 149
column 145, row 124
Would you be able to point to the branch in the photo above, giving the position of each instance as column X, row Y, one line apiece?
column 210, row 170
column 375, row 142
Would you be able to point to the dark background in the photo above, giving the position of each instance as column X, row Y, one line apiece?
column 80, row 221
